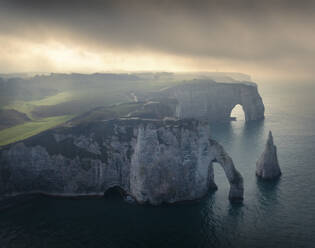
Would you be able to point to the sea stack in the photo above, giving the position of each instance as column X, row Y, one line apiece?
column 267, row 167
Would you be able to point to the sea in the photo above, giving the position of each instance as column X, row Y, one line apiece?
column 277, row 213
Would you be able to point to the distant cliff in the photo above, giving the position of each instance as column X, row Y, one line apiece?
column 152, row 161
column 208, row 100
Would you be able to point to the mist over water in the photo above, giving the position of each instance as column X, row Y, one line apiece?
column 273, row 214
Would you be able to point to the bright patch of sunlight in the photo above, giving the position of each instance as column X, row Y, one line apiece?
column 28, row 129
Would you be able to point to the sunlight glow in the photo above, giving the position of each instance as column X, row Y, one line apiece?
column 238, row 113
column 60, row 57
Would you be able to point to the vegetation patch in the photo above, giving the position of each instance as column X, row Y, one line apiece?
column 26, row 130
column 9, row 118
column 28, row 106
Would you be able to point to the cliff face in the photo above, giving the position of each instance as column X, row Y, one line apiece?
column 152, row 161
column 208, row 100
column 267, row 166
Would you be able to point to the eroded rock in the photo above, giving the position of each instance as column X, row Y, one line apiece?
column 212, row 101
column 267, row 167
column 153, row 161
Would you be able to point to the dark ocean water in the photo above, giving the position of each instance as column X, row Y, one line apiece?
column 274, row 214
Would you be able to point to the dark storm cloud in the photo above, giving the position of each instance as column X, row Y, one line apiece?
column 270, row 33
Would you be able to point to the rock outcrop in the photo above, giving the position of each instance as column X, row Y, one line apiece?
column 152, row 161
column 211, row 101
column 267, row 167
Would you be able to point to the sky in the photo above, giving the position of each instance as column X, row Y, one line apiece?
column 266, row 39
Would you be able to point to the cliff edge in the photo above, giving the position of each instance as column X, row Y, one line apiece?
column 153, row 161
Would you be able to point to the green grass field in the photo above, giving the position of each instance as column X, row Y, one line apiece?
column 27, row 106
column 21, row 132
column 55, row 110
column 83, row 101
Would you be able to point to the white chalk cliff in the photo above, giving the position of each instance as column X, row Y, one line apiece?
column 212, row 101
column 153, row 161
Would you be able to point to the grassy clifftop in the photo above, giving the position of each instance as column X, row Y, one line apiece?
column 26, row 130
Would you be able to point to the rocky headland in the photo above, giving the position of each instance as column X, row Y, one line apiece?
column 212, row 101
column 152, row 161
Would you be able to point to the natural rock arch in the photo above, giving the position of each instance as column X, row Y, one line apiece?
column 208, row 100
column 233, row 176
column 161, row 174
